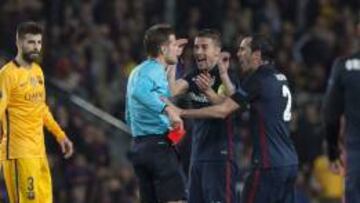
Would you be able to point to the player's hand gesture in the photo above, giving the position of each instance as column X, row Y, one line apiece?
column 204, row 82
column 224, row 62
column 180, row 46
column 67, row 147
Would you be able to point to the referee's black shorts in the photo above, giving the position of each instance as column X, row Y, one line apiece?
column 158, row 169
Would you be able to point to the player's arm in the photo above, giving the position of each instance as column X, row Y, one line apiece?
column 215, row 97
column 6, row 84
column 230, row 104
column 52, row 125
column 177, row 87
column 240, row 99
column 221, row 110
column 333, row 108
column 180, row 86
column 228, row 85
column 64, row 142
column 224, row 64
column 143, row 93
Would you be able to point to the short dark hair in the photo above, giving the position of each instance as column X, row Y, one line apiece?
column 28, row 27
column 212, row 34
column 263, row 44
column 156, row 36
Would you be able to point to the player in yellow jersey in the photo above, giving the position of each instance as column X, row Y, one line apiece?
column 24, row 113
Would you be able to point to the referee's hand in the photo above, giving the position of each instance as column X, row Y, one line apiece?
column 174, row 116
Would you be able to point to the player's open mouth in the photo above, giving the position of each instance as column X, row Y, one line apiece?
column 201, row 60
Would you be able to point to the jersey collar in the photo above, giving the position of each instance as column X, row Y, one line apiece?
column 16, row 63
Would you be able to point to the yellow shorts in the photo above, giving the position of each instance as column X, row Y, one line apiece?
column 28, row 180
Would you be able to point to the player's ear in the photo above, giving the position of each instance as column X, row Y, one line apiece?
column 163, row 49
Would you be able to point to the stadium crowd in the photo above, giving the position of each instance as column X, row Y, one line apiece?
column 91, row 47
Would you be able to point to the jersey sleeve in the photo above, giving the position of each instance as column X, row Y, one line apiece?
column 247, row 94
column 49, row 121
column 6, row 84
column 52, row 125
column 333, row 107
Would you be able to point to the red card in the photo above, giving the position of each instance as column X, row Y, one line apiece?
column 176, row 135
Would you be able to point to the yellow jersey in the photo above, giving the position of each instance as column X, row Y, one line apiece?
column 332, row 184
column 24, row 112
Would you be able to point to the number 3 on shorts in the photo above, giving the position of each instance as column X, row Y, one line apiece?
column 30, row 188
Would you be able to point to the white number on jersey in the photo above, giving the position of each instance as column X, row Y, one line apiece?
column 353, row 64
column 287, row 94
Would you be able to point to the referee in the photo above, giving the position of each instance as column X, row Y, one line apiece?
column 154, row 159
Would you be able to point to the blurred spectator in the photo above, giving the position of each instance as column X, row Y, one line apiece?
column 79, row 177
column 309, row 139
column 330, row 185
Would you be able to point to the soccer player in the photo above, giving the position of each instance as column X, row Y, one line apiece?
column 23, row 114
column 265, row 92
column 343, row 98
column 213, row 169
column 154, row 158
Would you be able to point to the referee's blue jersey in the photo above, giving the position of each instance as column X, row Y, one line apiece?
column 144, row 108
